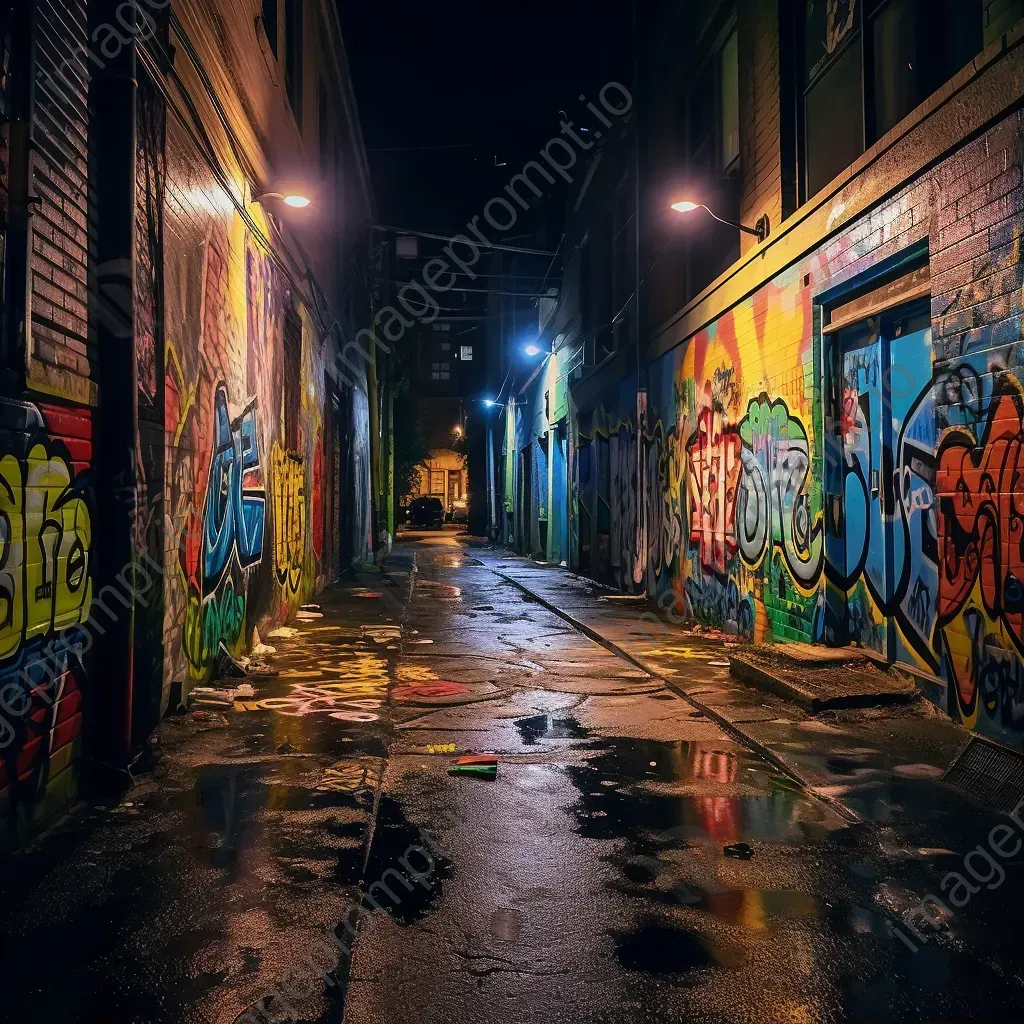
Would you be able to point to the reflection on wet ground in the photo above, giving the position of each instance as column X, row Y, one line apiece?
column 602, row 855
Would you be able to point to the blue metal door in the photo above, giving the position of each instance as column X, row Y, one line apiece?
column 865, row 432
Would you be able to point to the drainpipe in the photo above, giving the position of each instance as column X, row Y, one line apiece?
column 640, row 565
column 112, row 147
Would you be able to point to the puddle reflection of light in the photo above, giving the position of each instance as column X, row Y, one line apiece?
column 715, row 765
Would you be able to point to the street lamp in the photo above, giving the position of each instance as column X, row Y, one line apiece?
column 532, row 350
column 760, row 230
column 292, row 199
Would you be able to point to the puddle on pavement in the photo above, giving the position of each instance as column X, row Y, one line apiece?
column 454, row 561
column 549, row 727
column 663, row 949
column 434, row 591
column 660, row 794
column 231, row 802
column 405, row 875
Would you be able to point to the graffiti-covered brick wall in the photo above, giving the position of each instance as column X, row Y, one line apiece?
column 923, row 553
column 244, row 400
column 45, row 601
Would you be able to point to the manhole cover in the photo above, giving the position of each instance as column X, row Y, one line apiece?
column 990, row 773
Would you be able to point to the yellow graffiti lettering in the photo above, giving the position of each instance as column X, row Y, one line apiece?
column 288, row 487
column 45, row 541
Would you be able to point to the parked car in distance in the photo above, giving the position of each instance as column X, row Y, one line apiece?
column 459, row 512
column 426, row 511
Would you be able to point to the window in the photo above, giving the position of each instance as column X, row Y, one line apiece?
column 293, row 56
column 268, row 16
column 713, row 112
column 712, row 155
column 866, row 65
column 729, row 72
column 446, row 346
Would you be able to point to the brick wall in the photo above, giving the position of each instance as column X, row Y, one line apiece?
column 45, row 599
column 60, row 344
column 742, row 413
column 250, row 561
column 999, row 16
column 760, row 156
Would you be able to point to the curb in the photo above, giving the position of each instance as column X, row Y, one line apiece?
column 729, row 727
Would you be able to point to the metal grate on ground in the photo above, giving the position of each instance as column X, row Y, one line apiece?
column 990, row 773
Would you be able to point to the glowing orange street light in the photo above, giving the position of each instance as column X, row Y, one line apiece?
column 291, row 199
column 759, row 230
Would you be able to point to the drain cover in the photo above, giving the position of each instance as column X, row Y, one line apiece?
column 990, row 773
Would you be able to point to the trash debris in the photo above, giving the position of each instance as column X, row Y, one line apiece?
column 228, row 666
column 210, row 718
column 719, row 664
column 245, row 690
column 260, row 649
column 302, row 616
column 741, row 851
column 421, row 641
column 282, row 633
column 653, row 764
column 285, row 748
column 440, row 748
column 309, row 608
column 370, row 593
column 484, row 766
column 480, row 771
column 210, row 696
column 262, row 669
column 484, row 608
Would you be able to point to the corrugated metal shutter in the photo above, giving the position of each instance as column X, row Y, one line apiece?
column 60, row 177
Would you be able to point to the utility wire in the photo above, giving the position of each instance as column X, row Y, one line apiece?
column 476, row 242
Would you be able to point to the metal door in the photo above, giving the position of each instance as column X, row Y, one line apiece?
column 865, row 437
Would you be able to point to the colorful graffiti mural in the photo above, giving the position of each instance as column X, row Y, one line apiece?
column 980, row 487
column 882, row 504
column 246, row 542
column 289, row 491
column 45, row 600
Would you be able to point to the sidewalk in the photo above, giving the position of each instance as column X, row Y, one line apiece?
column 203, row 893
column 873, row 764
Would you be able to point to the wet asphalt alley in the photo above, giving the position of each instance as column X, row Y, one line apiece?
column 591, row 881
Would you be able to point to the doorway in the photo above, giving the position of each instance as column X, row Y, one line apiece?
column 883, row 551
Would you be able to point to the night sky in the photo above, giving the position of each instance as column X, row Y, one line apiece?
column 488, row 78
